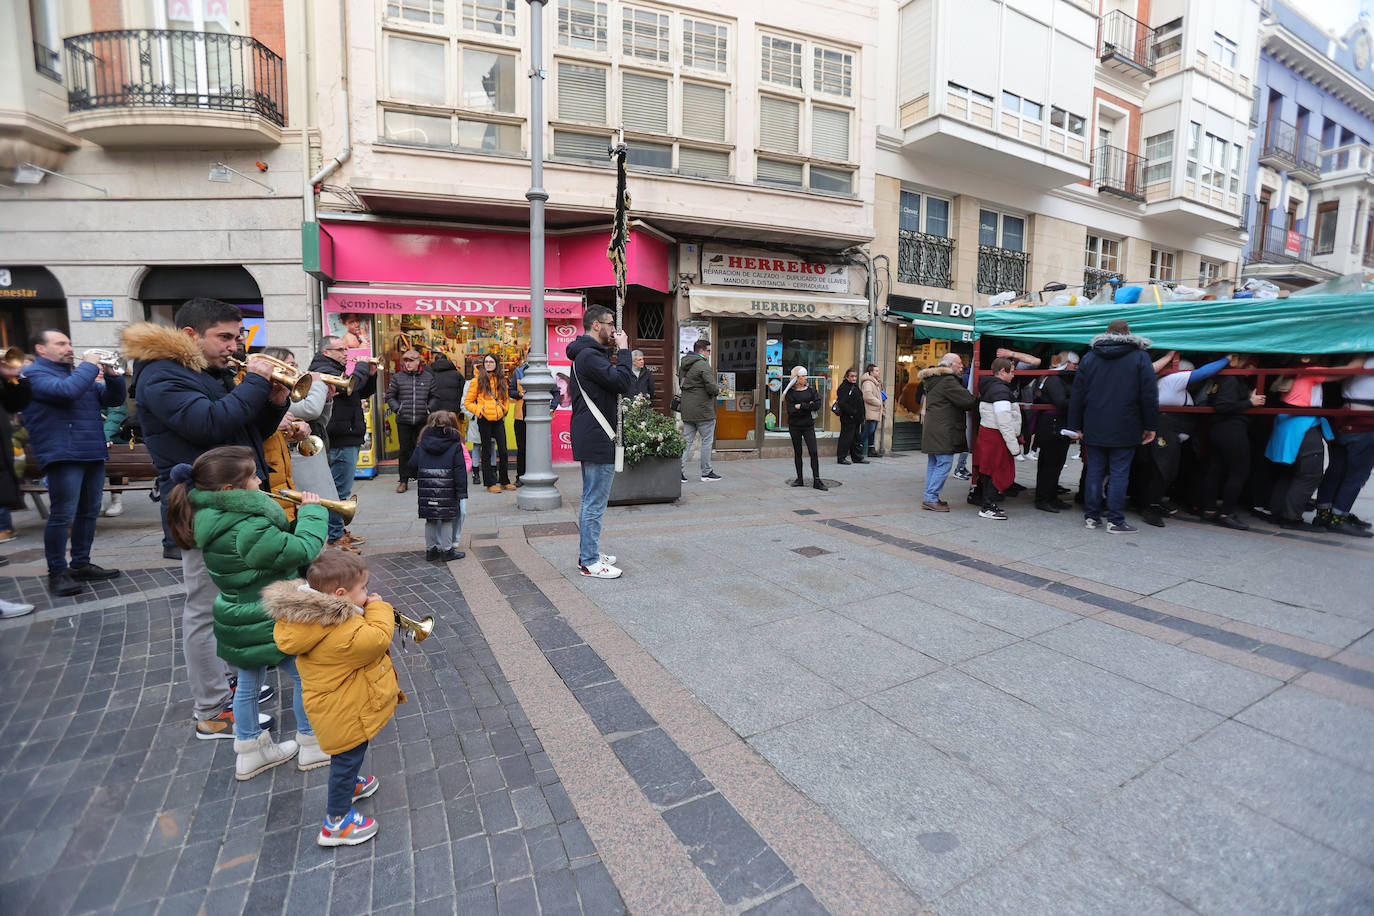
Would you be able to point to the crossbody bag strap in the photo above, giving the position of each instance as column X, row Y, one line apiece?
column 591, row 405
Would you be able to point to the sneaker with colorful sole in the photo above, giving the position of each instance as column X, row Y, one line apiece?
column 349, row 830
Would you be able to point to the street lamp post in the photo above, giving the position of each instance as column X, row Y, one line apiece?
column 538, row 491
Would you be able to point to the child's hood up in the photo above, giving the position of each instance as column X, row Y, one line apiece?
column 309, row 614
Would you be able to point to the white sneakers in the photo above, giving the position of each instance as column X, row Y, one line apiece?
column 601, row 570
column 116, row 506
column 310, row 756
column 10, row 609
column 260, row 754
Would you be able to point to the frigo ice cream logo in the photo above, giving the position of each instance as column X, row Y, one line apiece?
column 565, row 438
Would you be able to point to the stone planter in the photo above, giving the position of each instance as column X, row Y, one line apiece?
column 654, row 480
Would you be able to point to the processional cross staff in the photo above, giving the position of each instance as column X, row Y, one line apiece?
column 620, row 239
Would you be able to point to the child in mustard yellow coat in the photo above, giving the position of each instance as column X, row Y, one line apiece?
column 341, row 637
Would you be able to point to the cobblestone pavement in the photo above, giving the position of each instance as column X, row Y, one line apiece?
column 792, row 702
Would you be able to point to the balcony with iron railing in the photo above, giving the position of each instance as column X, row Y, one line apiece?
column 1279, row 147
column 1094, row 277
column 1308, row 155
column 1126, row 45
column 1246, row 213
column 1276, row 245
column 925, row 259
column 169, row 87
column 1118, row 171
column 1001, row 270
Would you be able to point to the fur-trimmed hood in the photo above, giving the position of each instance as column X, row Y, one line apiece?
column 934, row 371
column 145, row 342
column 1114, row 346
column 296, row 602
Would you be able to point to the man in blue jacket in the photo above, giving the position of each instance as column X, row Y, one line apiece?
column 188, row 403
column 1113, row 409
column 67, row 434
column 596, row 382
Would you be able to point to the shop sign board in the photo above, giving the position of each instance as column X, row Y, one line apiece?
column 93, row 309
column 764, row 270
column 412, row 301
column 778, row 305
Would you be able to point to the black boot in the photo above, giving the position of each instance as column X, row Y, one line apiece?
column 819, row 484
column 63, row 585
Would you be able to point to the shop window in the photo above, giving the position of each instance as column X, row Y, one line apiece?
column 645, row 34
column 649, row 321
column 494, row 16
column 431, row 11
column 582, row 24
column 1159, row 157
column 704, row 45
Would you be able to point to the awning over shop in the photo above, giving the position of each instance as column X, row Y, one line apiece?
column 1308, row 324
column 446, row 300
column 933, row 319
column 724, row 303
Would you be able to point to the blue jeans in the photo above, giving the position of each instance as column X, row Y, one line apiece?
column 343, row 774
column 343, row 464
column 870, row 431
column 1359, row 461
column 596, row 489
column 962, row 464
column 1113, row 464
column 6, row 520
column 75, row 489
column 246, row 700
column 937, row 471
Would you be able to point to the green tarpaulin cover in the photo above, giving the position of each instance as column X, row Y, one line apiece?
column 1309, row 324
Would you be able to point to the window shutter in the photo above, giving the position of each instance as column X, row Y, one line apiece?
column 645, row 103
column 703, row 112
column 830, row 133
column 779, row 122
column 788, row 173
column 580, row 146
column 582, row 93
column 707, row 163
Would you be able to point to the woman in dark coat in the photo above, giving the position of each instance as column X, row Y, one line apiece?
column 446, row 392
column 802, row 404
column 15, row 395
column 850, row 401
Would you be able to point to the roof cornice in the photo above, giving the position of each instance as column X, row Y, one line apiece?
column 1319, row 69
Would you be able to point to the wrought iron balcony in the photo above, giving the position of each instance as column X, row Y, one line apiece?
column 1126, row 44
column 1118, row 171
column 46, row 61
column 1275, row 246
column 160, row 72
column 925, row 259
column 1308, row 153
column 1001, row 270
column 1094, row 277
column 1280, row 149
column 1247, row 207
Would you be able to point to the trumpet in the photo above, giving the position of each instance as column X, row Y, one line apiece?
column 282, row 373
column 419, row 629
column 14, row 358
column 311, row 445
column 110, row 360
column 344, row 508
column 342, row 382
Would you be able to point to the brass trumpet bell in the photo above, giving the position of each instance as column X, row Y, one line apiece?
column 283, row 373
column 342, row 382
column 344, row 508
column 309, row 446
column 419, row 629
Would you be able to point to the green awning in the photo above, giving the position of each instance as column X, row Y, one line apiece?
column 925, row 328
column 1309, row 324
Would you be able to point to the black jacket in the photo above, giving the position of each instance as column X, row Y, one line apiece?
column 1115, row 395
column 14, row 397
column 1054, row 390
column 447, row 390
column 603, row 383
column 643, row 384
column 801, row 405
column 440, row 473
column 851, row 401
column 186, row 408
column 410, row 394
column 1229, row 396
column 346, row 425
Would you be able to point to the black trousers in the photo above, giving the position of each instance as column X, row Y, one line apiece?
column 407, row 433
column 489, row 430
column 1228, row 466
column 805, row 434
column 519, row 448
column 990, row 494
column 1297, row 481
column 1054, row 453
column 851, row 439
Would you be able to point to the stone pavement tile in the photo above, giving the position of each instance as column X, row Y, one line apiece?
column 926, row 817
column 1336, row 689
column 1057, row 874
column 1144, row 627
column 810, row 581
column 751, row 686
column 1250, row 605
column 1177, row 672
column 796, row 901
column 1354, row 660
column 1127, row 566
column 1044, row 761
column 1328, row 580
column 663, row 771
column 1241, row 658
column 1022, row 615
column 941, row 634
column 1364, row 645
column 1218, row 856
column 853, row 658
column 1319, row 797
column 1316, row 723
column 734, row 858
column 1106, row 704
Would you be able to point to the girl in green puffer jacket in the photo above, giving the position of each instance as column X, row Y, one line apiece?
column 217, row 508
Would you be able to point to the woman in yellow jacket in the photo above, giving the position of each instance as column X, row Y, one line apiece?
column 488, row 400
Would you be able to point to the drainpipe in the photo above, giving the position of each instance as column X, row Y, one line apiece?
column 330, row 167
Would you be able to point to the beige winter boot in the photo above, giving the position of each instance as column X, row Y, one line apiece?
column 311, row 756
column 260, row 754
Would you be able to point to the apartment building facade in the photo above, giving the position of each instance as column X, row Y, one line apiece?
column 151, row 150
column 1089, row 139
column 749, row 133
column 1312, row 164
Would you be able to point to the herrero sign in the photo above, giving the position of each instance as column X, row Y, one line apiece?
column 771, row 270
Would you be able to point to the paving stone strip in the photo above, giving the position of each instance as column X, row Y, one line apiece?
column 117, row 808
column 739, row 864
column 1355, row 676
